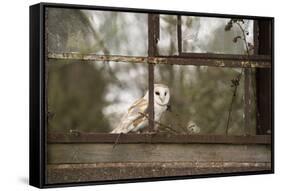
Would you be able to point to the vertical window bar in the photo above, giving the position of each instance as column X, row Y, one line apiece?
column 153, row 37
column 263, row 79
column 179, row 34
column 156, row 21
column 256, row 37
column 151, row 96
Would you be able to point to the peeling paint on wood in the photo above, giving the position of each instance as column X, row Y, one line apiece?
column 80, row 162
column 93, row 153
column 66, row 173
column 263, row 62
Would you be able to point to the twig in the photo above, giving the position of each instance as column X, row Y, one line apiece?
column 244, row 38
column 240, row 74
column 236, row 83
column 117, row 139
column 251, row 70
column 158, row 123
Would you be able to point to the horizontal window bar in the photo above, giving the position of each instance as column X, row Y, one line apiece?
column 155, row 138
column 227, row 56
column 257, row 61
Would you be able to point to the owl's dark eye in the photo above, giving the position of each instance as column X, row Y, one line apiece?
column 157, row 93
column 165, row 93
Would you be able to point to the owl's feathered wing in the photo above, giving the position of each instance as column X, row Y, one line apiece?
column 133, row 119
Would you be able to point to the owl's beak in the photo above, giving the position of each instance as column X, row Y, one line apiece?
column 162, row 99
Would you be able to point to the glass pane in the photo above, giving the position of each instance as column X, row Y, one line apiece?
column 98, row 32
column 92, row 96
column 215, row 35
column 206, row 35
column 168, row 43
column 200, row 100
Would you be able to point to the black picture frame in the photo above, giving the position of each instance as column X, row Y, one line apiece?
column 38, row 110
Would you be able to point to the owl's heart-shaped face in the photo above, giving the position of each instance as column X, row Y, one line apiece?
column 161, row 94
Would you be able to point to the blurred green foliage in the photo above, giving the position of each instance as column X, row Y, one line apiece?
column 75, row 97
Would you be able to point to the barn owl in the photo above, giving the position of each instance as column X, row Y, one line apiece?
column 135, row 119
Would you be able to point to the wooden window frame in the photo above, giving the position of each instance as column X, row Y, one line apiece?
column 261, row 60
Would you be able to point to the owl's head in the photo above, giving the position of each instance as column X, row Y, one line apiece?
column 161, row 94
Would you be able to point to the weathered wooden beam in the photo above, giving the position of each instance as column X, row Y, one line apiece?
column 264, row 79
column 95, row 57
column 67, row 173
column 261, row 57
column 156, row 138
column 153, row 36
column 94, row 153
column 151, row 96
column 257, row 61
column 179, row 34
column 217, row 62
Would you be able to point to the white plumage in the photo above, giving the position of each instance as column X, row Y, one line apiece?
column 135, row 120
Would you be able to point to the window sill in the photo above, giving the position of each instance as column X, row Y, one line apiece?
column 56, row 138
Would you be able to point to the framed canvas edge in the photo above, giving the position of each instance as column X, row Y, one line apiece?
column 36, row 134
column 156, row 179
column 272, row 94
column 37, row 112
column 157, row 11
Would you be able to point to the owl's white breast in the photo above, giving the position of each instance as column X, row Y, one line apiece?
column 158, row 111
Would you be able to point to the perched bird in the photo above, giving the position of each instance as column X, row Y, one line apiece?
column 135, row 118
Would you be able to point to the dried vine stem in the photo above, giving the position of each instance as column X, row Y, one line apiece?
column 251, row 70
column 235, row 84
column 236, row 80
